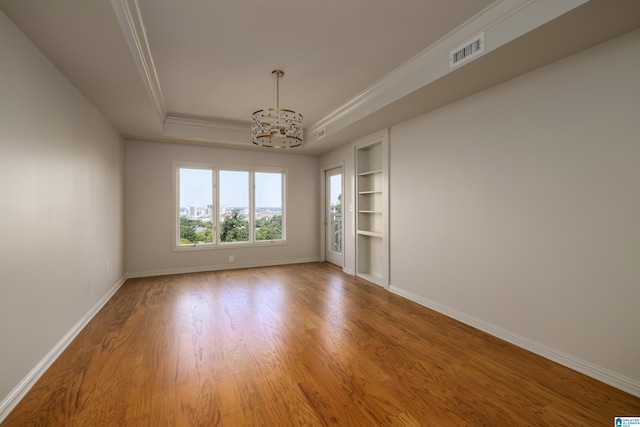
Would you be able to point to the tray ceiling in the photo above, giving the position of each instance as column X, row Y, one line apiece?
column 194, row 71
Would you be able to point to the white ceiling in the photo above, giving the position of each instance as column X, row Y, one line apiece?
column 193, row 71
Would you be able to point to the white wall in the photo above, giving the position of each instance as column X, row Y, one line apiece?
column 519, row 208
column 61, row 207
column 149, row 209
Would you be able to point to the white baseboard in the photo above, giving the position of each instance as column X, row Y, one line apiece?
column 16, row 395
column 601, row 374
column 229, row 266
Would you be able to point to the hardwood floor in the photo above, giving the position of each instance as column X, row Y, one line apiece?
column 299, row 345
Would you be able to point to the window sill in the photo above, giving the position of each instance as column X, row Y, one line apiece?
column 217, row 246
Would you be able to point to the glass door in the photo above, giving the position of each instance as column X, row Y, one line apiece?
column 333, row 217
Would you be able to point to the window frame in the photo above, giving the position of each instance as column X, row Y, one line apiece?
column 216, row 223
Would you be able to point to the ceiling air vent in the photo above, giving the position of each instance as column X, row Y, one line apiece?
column 467, row 51
column 321, row 133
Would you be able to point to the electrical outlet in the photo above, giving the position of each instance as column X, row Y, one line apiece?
column 230, row 258
column 106, row 266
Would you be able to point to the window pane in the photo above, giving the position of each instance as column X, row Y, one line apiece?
column 196, row 206
column 335, row 219
column 268, row 205
column 234, row 206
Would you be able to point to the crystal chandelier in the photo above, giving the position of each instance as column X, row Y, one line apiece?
column 276, row 127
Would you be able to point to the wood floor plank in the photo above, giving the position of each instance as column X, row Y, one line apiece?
column 302, row 344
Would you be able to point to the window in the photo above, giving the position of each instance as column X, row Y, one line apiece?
column 195, row 206
column 268, row 206
column 234, row 206
column 217, row 207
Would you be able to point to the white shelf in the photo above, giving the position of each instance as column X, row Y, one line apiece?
column 370, row 172
column 372, row 240
column 369, row 233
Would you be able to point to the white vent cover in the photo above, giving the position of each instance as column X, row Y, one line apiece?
column 321, row 133
column 467, row 51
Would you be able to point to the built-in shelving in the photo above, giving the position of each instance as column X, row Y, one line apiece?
column 372, row 229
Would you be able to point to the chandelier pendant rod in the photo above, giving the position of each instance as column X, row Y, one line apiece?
column 278, row 73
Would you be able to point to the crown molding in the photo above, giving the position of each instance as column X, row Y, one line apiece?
column 206, row 130
column 130, row 18
column 128, row 13
column 502, row 22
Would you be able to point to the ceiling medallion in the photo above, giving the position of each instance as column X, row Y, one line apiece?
column 276, row 127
